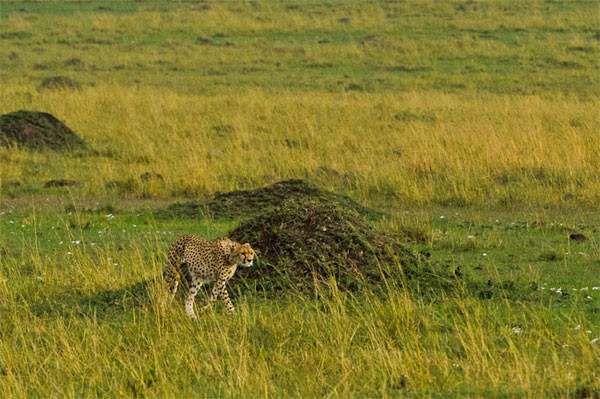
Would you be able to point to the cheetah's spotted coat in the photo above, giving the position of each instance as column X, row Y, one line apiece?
column 193, row 261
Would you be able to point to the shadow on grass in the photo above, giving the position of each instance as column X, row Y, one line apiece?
column 126, row 302
column 102, row 304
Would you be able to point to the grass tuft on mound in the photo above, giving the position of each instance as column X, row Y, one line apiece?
column 305, row 242
column 37, row 130
column 243, row 203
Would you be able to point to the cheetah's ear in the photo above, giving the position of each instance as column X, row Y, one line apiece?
column 226, row 244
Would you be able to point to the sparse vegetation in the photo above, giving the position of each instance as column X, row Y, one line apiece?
column 463, row 135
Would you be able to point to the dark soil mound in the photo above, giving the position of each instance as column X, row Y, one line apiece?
column 302, row 243
column 37, row 130
column 250, row 202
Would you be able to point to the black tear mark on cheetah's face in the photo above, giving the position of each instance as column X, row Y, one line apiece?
column 243, row 255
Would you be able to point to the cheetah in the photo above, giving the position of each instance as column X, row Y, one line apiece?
column 193, row 261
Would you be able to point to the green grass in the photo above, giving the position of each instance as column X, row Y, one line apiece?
column 498, row 47
column 483, row 112
column 72, row 290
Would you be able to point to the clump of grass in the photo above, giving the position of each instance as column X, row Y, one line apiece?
column 123, row 187
column 409, row 116
column 415, row 234
column 551, row 256
column 59, row 83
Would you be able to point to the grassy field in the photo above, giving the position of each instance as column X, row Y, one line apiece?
column 472, row 125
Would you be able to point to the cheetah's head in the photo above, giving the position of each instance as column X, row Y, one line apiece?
column 243, row 255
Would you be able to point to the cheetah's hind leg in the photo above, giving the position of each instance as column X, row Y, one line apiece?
column 171, row 279
column 189, row 301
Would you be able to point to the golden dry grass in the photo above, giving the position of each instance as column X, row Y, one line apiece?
column 415, row 147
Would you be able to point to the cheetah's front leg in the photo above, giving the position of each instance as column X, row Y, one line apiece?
column 213, row 296
column 219, row 291
column 224, row 295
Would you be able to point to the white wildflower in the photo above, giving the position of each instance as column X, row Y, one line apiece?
column 442, row 217
column 594, row 340
column 577, row 327
column 516, row 330
column 484, row 254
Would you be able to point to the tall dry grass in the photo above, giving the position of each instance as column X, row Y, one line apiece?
column 416, row 147
column 62, row 337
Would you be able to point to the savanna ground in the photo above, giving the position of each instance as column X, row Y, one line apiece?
column 472, row 125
